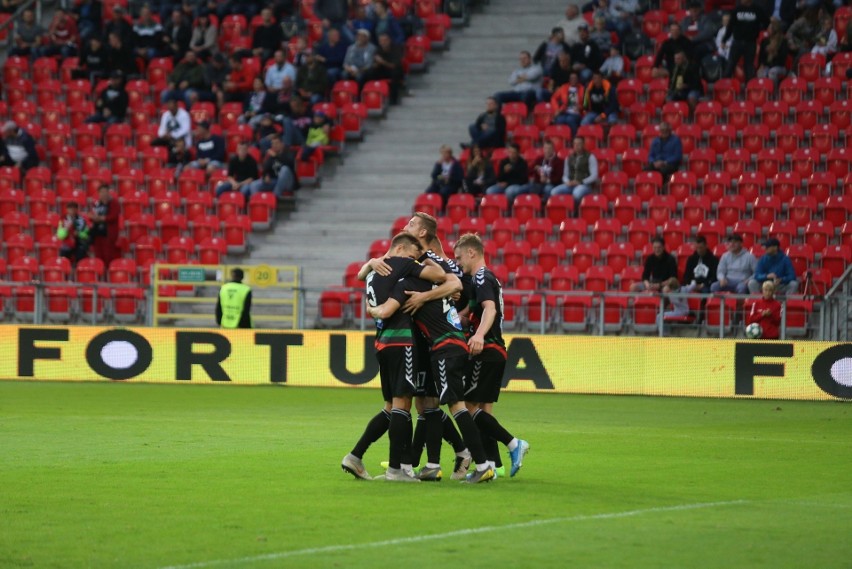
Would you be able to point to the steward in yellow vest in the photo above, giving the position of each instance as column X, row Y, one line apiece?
column 233, row 310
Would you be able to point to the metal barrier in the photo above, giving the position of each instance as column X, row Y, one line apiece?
column 37, row 302
column 276, row 294
column 836, row 315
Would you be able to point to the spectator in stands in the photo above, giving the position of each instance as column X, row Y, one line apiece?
column 621, row 14
column 216, row 73
column 89, row 17
column 735, row 268
column 772, row 59
column 73, row 232
column 660, row 266
column 585, row 55
column 766, row 311
column 547, row 171
column 119, row 25
column 601, row 36
column 331, row 53
column 579, row 174
column 333, row 14
column 387, row 65
column 111, row 105
column 747, row 21
column 177, row 35
column 242, row 171
column 803, row 33
column 257, row 104
column 240, row 80
column 94, row 61
column 548, row 51
column 599, row 102
column 664, row 61
column 62, row 37
column 613, row 66
column 318, row 135
column 723, row 47
column 10, row 6
column 447, row 175
column 281, row 75
column 386, row 23
column 512, row 174
column 571, row 24
column 120, row 56
column 559, row 74
column 279, row 172
column 17, row 148
column 209, row 149
column 676, row 306
column 148, row 35
column 684, row 80
column 360, row 57
column 489, row 130
column 361, row 21
column 480, row 173
column 312, row 78
column 175, row 123
column 701, row 27
column 204, row 37
column 105, row 226
column 826, row 41
column 525, row 82
column 567, row 103
column 185, row 80
column 700, row 272
column 666, row 152
column 267, row 36
column 179, row 156
column 774, row 266
column 247, row 8
column 296, row 121
column 29, row 35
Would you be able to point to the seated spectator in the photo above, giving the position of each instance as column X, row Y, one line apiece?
column 105, row 226
column 387, row 64
column 360, row 21
column 613, row 66
column 723, row 46
column 676, row 306
column 334, row 14
column 660, row 266
column 73, row 232
column 319, row 134
column 359, row 57
column 242, row 171
column 735, row 268
column 179, row 156
column 489, row 130
column 447, row 175
column 803, row 34
column 775, row 267
column 664, row 61
column 279, row 172
column 621, row 14
column 684, row 80
column 175, row 123
column 216, row 73
column 567, row 103
column 548, row 51
column 267, row 36
column 281, row 75
column 209, row 149
column 599, row 102
column 148, row 35
column 512, row 174
column 17, row 148
column 766, row 311
column 666, row 152
column 585, row 55
column 701, row 27
column 312, row 78
column 600, row 35
column 186, row 80
column 296, row 121
column 120, row 56
column 772, row 59
column 547, row 171
column 579, row 173
column 257, row 104
column 826, row 42
column 177, row 35
column 559, row 73
column 28, row 36
column 111, row 105
column 120, row 26
column 331, row 53
column 205, row 36
column 700, row 272
column 239, row 82
column 525, row 82
column 571, row 24
column 62, row 37
column 386, row 23
column 480, row 173
column 94, row 61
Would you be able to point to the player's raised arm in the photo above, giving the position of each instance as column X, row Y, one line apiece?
column 452, row 285
column 377, row 264
column 384, row 310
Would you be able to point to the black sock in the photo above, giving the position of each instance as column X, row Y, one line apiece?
column 434, row 428
column 490, row 426
column 419, row 440
column 377, row 427
column 492, row 450
column 451, row 434
column 399, row 433
column 471, row 435
column 408, row 432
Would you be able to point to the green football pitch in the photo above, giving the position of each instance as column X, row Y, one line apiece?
column 155, row 476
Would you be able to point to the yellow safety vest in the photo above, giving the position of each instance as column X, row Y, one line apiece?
column 232, row 298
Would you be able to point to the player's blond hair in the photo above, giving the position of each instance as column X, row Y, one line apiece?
column 471, row 241
column 429, row 223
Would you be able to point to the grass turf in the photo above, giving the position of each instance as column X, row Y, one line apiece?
column 150, row 476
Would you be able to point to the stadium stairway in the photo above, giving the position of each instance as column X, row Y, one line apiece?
column 358, row 202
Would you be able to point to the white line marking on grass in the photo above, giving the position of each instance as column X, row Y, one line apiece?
column 456, row 533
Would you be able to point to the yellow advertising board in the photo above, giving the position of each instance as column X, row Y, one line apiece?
column 546, row 364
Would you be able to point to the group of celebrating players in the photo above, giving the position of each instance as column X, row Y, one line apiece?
column 438, row 342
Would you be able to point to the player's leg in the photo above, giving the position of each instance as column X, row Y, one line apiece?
column 401, row 367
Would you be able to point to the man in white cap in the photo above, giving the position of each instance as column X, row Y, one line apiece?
column 359, row 57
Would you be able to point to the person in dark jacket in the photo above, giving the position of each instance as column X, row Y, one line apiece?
column 548, row 51
column 17, row 148
column 447, row 175
column 489, row 130
column 111, row 105
column 747, row 21
column 660, row 266
column 512, row 175
column 684, row 80
column 666, row 152
column 209, row 149
column 664, row 61
column 480, row 173
column 267, row 36
column 701, row 266
column 177, row 35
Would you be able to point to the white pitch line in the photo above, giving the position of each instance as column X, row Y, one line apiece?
column 456, row 533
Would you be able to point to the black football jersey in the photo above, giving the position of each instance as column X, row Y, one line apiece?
column 396, row 330
column 487, row 287
column 437, row 320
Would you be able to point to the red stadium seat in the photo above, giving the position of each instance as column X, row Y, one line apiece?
column 802, row 257
column 572, row 231
column 550, row 254
column 818, row 234
column 835, row 259
column 707, row 114
column 837, row 210
column 626, row 208
column 750, row 185
column 774, row 113
column 784, row 230
column 695, row 209
column 633, row 161
column 701, row 161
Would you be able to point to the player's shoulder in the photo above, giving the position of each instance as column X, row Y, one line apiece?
column 484, row 276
